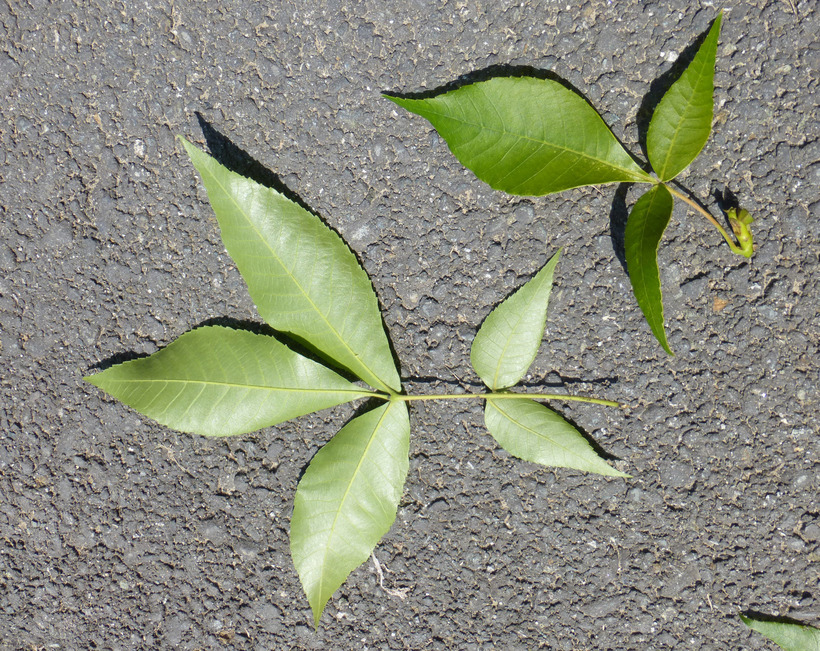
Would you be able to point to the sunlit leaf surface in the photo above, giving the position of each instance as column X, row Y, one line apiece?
column 682, row 121
column 788, row 636
column 644, row 229
column 527, row 136
column 508, row 340
column 303, row 278
column 220, row 382
column 530, row 431
column 347, row 500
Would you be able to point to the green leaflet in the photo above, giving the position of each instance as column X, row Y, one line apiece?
column 527, row 136
column 644, row 229
column 787, row 635
column 528, row 430
column 502, row 351
column 304, row 279
column 508, row 340
column 217, row 381
column 682, row 121
column 531, row 136
column 347, row 500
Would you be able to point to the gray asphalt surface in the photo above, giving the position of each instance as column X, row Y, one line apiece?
column 117, row 533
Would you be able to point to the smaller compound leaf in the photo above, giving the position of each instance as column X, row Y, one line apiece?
column 527, row 136
column 304, row 279
column 218, row 381
column 682, row 121
column 644, row 229
column 347, row 500
column 530, row 431
column 508, row 340
column 790, row 636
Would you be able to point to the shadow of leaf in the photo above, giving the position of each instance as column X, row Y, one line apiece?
column 618, row 214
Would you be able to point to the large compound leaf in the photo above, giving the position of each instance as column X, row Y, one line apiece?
column 527, row 136
column 508, row 340
column 217, row 381
column 347, row 500
column 682, row 121
column 789, row 636
column 644, row 229
column 303, row 278
column 528, row 430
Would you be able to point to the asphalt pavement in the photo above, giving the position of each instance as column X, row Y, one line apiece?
column 118, row 533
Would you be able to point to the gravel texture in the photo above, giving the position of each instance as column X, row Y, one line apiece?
column 117, row 533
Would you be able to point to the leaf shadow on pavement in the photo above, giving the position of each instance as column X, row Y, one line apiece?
column 726, row 199
column 774, row 619
column 118, row 358
column 618, row 214
column 563, row 381
column 485, row 74
column 237, row 160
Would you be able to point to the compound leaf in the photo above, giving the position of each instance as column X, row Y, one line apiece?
column 530, row 431
column 303, row 278
column 508, row 340
column 787, row 635
column 682, row 121
column 644, row 229
column 218, row 381
column 527, row 136
column 347, row 500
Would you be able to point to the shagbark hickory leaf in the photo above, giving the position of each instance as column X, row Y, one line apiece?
column 530, row 431
column 682, row 121
column 527, row 136
column 218, row 381
column 347, row 500
column 787, row 635
column 532, row 136
column 644, row 229
column 508, row 340
column 304, row 279
column 306, row 282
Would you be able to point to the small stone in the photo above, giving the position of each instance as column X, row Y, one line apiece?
column 719, row 304
column 226, row 485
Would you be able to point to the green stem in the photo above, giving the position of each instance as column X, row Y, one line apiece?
column 735, row 248
column 505, row 396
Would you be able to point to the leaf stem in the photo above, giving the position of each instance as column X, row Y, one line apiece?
column 735, row 248
column 504, row 395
